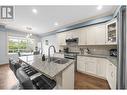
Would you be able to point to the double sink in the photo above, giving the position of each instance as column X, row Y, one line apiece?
column 58, row 60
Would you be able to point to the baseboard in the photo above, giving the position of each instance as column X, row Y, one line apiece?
column 3, row 64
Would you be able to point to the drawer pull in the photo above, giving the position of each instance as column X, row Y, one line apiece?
column 112, row 74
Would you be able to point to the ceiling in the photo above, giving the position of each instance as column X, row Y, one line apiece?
column 43, row 20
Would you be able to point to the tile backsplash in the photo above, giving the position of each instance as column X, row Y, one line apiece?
column 94, row 49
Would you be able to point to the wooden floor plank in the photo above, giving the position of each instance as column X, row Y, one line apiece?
column 7, row 77
column 84, row 81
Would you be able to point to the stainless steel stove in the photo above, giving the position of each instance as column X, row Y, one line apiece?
column 72, row 55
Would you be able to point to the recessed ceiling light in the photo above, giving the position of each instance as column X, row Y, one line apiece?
column 34, row 11
column 99, row 7
column 56, row 24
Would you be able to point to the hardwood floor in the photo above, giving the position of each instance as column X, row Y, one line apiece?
column 7, row 78
column 82, row 81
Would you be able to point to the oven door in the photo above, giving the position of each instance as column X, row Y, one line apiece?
column 73, row 58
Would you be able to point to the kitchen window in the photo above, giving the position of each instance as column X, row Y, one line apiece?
column 20, row 44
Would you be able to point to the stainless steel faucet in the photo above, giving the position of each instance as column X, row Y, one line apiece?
column 49, row 59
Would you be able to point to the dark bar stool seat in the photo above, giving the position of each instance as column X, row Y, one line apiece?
column 39, row 82
column 43, row 82
column 14, row 65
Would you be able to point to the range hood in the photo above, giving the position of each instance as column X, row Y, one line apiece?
column 72, row 40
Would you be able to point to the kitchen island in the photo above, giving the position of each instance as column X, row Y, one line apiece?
column 62, row 73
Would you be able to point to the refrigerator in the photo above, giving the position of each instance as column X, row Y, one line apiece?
column 122, row 48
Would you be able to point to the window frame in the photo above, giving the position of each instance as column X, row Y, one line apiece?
column 18, row 38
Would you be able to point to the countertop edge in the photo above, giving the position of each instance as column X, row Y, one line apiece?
column 113, row 60
column 106, row 57
column 52, row 77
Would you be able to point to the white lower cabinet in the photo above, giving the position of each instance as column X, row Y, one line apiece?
column 85, row 64
column 82, row 36
column 91, row 65
column 111, row 75
column 81, row 65
column 99, row 67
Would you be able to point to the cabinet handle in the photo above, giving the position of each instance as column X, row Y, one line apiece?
column 112, row 74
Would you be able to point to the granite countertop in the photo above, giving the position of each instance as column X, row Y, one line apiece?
column 50, row 69
column 113, row 60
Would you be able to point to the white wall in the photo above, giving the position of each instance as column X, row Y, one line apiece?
column 3, row 47
column 52, row 41
column 4, row 44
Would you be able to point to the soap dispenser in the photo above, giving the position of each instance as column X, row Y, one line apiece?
column 43, row 57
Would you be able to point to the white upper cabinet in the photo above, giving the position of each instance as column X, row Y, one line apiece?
column 96, row 35
column 111, row 32
column 90, row 35
column 69, row 34
column 75, row 33
column 82, row 36
column 72, row 34
column 61, row 38
column 100, row 32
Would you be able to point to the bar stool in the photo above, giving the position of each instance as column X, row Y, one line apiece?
column 14, row 65
column 39, row 82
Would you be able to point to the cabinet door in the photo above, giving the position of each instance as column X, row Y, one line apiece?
column 90, row 35
column 111, row 75
column 69, row 34
column 82, row 36
column 75, row 33
column 72, row 34
column 100, row 34
column 91, row 65
column 61, row 38
column 81, row 64
column 96, row 34
column 111, row 32
column 101, row 67
column 114, row 77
